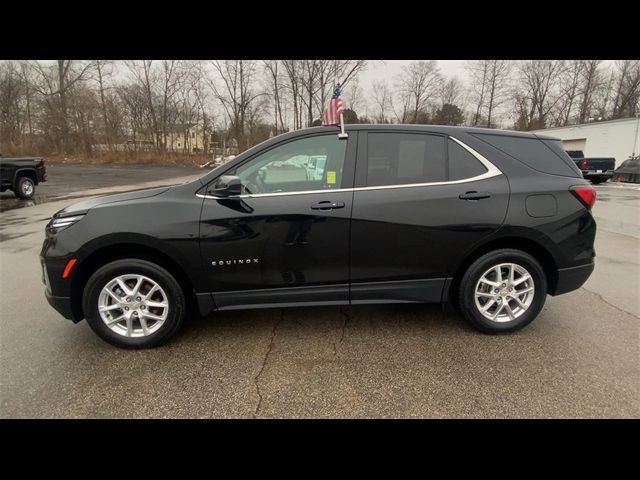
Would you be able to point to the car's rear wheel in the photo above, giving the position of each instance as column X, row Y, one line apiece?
column 25, row 188
column 133, row 303
column 502, row 291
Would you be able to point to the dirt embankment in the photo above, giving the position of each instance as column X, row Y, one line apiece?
column 139, row 158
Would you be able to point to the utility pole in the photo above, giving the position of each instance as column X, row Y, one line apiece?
column 635, row 138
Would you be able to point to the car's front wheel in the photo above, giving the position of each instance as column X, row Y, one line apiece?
column 502, row 291
column 133, row 303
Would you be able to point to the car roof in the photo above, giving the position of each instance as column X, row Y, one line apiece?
column 444, row 129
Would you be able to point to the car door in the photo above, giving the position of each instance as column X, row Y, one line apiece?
column 285, row 239
column 421, row 201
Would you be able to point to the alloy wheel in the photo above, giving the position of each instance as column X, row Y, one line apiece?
column 504, row 292
column 133, row 305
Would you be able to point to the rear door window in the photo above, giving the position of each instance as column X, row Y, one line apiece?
column 410, row 158
column 405, row 158
column 462, row 164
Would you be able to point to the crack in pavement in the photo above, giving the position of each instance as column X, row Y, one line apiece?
column 609, row 303
column 264, row 363
column 344, row 327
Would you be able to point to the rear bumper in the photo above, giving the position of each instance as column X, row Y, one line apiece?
column 41, row 175
column 570, row 279
column 597, row 173
column 61, row 304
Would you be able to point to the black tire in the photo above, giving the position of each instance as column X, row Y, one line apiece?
column 466, row 292
column 106, row 273
column 25, row 188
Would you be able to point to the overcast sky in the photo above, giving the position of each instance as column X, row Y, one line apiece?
column 387, row 69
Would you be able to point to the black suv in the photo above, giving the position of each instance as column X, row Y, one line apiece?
column 490, row 220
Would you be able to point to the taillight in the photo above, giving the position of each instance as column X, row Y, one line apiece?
column 584, row 193
column 583, row 164
column 42, row 163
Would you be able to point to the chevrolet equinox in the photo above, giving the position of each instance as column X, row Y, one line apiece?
column 491, row 221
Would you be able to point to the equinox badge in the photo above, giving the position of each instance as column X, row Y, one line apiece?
column 241, row 261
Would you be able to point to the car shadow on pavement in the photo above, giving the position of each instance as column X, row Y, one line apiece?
column 356, row 320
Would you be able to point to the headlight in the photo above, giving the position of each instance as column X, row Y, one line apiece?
column 57, row 224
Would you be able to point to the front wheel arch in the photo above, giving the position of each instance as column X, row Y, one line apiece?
column 108, row 254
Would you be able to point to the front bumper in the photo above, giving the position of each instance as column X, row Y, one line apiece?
column 61, row 304
column 570, row 279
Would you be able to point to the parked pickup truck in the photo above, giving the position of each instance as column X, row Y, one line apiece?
column 596, row 169
column 21, row 175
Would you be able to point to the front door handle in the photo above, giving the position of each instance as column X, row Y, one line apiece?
column 327, row 205
column 473, row 195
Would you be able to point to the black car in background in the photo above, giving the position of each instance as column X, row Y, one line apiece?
column 596, row 169
column 628, row 171
column 490, row 220
column 21, row 175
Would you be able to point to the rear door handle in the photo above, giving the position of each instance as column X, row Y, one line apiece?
column 473, row 195
column 327, row 205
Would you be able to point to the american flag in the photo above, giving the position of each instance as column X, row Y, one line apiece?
column 331, row 115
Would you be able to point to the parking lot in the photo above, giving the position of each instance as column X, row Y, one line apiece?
column 579, row 358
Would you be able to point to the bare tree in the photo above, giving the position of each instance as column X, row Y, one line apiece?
column 592, row 81
column 143, row 74
column 417, row 85
column 273, row 72
column 382, row 98
column 237, row 93
column 337, row 71
column 569, row 85
column 490, row 87
column 478, row 71
column 134, row 100
column 172, row 75
column 11, row 95
column 311, row 83
column 67, row 105
column 535, row 95
column 353, row 97
column 54, row 83
column 200, row 92
column 626, row 101
column 26, row 77
column 293, row 69
column 603, row 97
column 104, row 71
column 452, row 92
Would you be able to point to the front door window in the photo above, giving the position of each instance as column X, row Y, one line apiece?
column 308, row 164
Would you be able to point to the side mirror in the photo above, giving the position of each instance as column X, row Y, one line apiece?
column 226, row 186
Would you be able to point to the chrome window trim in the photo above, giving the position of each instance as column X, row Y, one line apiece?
column 492, row 171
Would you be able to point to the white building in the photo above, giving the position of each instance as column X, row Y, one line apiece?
column 611, row 138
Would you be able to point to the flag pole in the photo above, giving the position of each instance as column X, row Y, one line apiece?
column 342, row 133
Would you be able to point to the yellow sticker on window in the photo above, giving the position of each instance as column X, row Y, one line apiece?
column 331, row 177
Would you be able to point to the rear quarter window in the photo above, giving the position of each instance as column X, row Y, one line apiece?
column 534, row 153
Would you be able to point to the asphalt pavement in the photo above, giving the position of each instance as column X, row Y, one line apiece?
column 579, row 358
column 68, row 181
